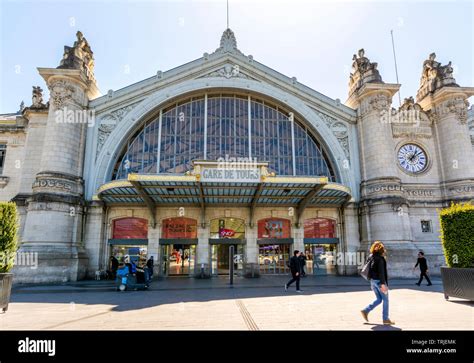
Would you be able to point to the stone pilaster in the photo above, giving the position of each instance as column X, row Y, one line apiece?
column 251, row 268
column 448, row 108
column 350, row 230
column 203, row 250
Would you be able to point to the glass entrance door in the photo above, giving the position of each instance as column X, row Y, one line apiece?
column 274, row 259
column 320, row 259
column 178, row 259
column 220, row 254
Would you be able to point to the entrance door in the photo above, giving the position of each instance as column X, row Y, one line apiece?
column 320, row 259
column 274, row 259
column 178, row 259
column 220, row 254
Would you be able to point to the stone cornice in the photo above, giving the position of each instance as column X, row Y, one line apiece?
column 370, row 89
column 443, row 94
column 76, row 76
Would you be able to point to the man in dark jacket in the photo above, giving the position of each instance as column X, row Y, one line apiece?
column 423, row 268
column 302, row 259
column 113, row 267
column 295, row 269
column 150, row 264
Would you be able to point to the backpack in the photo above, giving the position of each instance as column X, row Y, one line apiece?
column 366, row 268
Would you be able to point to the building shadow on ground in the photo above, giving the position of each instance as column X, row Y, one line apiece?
column 166, row 292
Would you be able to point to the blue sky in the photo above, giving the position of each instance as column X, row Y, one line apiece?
column 311, row 40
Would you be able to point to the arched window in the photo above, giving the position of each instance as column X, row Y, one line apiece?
column 130, row 228
column 233, row 126
column 319, row 228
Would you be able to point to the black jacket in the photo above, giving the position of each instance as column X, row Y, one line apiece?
column 295, row 265
column 378, row 269
column 423, row 264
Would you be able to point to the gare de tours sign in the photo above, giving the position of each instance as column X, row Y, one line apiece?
column 230, row 175
column 229, row 171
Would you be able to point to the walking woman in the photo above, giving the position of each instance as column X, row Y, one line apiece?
column 378, row 282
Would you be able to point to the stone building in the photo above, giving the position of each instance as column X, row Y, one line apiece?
column 225, row 151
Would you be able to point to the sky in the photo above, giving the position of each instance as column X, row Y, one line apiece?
column 311, row 40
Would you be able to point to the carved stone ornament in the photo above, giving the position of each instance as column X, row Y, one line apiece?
column 379, row 102
column 339, row 130
column 458, row 106
column 109, row 122
column 410, row 121
column 61, row 93
column 228, row 43
column 228, row 71
column 435, row 76
column 363, row 71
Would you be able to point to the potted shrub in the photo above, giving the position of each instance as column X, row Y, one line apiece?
column 457, row 238
column 8, row 244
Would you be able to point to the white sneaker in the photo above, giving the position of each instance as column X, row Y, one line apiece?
column 286, row 287
column 299, row 290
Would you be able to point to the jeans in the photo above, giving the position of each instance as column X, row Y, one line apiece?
column 295, row 278
column 423, row 273
column 380, row 297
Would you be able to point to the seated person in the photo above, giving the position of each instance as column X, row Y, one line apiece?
column 122, row 272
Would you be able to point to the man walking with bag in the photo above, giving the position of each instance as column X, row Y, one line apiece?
column 295, row 269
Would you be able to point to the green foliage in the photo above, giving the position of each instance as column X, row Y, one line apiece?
column 8, row 235
column 457, row 234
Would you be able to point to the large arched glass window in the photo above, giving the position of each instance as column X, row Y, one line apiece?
column 220, row 126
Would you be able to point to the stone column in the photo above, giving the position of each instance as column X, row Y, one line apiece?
column 448, row 107
column 251, row 259
column 351, row 236
column 298, row 236
column 94, row 238
column 203, row 250
column 53, row 227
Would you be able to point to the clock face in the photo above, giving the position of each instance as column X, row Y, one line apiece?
column 412, row 158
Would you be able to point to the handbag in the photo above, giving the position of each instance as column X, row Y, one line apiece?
column 366, row 268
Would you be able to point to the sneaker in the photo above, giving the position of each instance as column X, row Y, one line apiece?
column 429, row 284
column 299, row 290
column 365, row 315
column 417, row 284
column 286, row 287
column 388, row 322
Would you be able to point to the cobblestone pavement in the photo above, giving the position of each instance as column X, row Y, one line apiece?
column 327, row 303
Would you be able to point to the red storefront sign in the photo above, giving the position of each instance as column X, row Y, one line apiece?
column 319, row 228
column 130, row 228
column 226, row 233
column 274, row 228
column 179, row 227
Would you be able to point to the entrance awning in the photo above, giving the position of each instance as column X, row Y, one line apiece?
column 178, row 241
column 128, row 241
column 200, row 188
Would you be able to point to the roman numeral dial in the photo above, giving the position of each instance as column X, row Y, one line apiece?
column 412, row 158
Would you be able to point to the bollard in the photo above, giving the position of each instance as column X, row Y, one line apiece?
column 231, row 265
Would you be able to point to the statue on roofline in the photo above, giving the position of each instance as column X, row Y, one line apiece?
column 79, row 56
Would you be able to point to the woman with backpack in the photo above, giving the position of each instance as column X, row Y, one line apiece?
column 378, row 282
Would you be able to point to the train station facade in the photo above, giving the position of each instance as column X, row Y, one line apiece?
column 225, row 151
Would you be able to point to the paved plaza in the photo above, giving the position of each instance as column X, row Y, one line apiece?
column 327, row 303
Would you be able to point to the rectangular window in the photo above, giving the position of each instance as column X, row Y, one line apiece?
column 3, row 151
column 426, row 226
